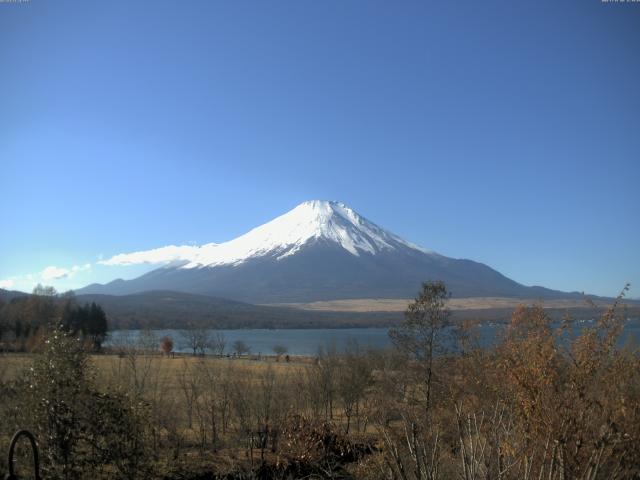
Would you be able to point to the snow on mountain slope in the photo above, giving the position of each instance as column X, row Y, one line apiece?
column 279, row 238
column 285, row 235
column 171, row 254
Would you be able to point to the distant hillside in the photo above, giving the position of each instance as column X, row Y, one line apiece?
column 168, row 309
column 8, row 295
column 174, row 310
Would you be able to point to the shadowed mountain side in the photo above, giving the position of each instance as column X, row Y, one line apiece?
column 8, row 295
column 317, row 251
column 323, row 270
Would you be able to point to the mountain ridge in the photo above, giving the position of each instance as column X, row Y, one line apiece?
column 317, row 251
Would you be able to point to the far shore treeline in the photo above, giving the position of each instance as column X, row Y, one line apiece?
column 23, row 316
column 26, row 320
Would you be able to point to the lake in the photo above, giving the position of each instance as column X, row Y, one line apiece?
column 308, row 341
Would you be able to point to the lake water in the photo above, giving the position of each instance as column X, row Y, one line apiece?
column 308, row 341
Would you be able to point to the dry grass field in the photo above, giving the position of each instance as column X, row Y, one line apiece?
column 112, row 367
column 400, row 305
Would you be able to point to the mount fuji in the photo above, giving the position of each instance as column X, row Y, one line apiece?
column 320, row 250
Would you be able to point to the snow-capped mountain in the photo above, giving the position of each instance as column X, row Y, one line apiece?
column 287, row 234
column 282, row 237
column 318, row 251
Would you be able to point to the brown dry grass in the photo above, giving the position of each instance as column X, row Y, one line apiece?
column 12, row 364
column 400, row 305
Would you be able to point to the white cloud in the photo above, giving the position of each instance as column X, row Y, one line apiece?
column 169, row 254
column 50, row 274
column 57, row 273
column 80, row 268
column 54, row 273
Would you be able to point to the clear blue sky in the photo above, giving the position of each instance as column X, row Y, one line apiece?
column 507, row 132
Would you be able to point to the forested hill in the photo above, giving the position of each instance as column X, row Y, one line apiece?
column 168, row 309
column 26, row 318
column 8, row 295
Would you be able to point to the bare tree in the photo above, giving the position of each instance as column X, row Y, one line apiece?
column 260, row 405
column 190, row 386
column 133, row 365
column 197, row 339
column 280, row 350
column 213, row 377
column 420, row 335
column 147, row 341
column 241, row 347
column 414, row 449
column 218, row 343
column 322, row 381
column 354, row 376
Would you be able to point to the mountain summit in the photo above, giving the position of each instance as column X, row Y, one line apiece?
column 320, row 250
column 287, row 234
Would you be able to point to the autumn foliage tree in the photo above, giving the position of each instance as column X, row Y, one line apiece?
column 166, row 345
column 574, row 395
column 548, row 399
column 26, row 319
column 555, row 400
